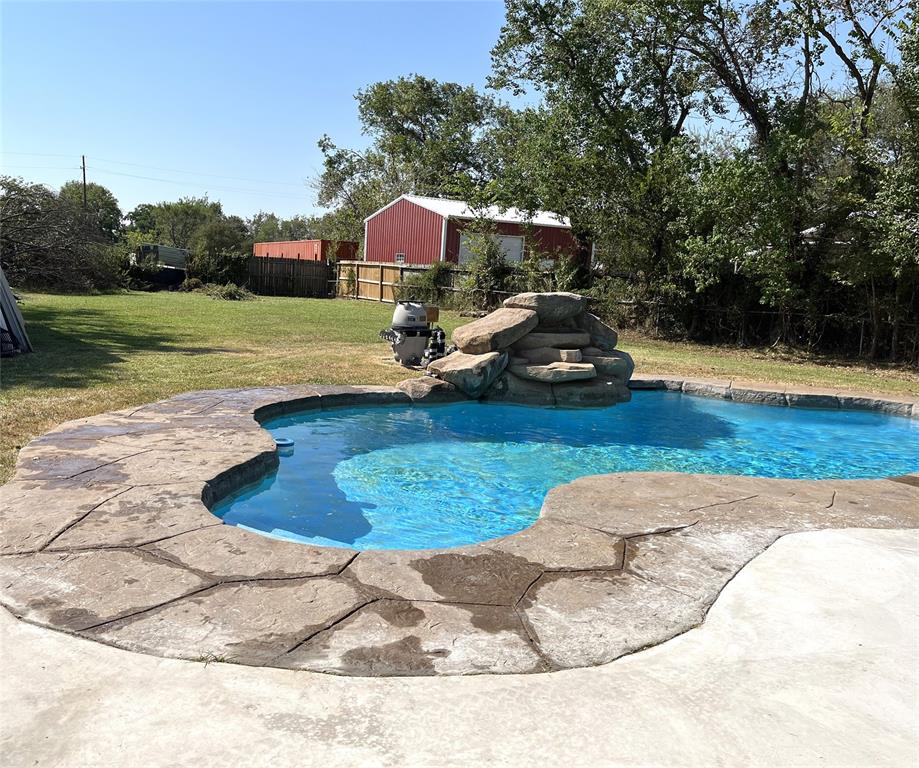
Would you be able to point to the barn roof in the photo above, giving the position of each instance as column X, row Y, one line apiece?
column 459, row 209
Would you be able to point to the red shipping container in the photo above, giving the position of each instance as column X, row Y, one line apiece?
column 306, row 250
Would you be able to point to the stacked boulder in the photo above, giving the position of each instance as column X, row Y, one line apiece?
column 539, row 348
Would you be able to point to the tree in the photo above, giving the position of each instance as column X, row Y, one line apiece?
column 142, row 218
column 220, row 250
column 895, row 228
column 47, row 242
column 174, row 223
column 781, row 213
column 267, row 227
column 101, row 207
column 427, row 138
column 618, row 93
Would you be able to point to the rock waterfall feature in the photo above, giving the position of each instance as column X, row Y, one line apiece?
column 538, row 349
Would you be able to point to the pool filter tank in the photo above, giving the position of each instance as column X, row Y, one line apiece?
column 414, row 342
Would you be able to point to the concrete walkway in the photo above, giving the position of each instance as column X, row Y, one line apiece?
column 809, row 657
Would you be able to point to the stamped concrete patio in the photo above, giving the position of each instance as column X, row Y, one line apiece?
column 106, row 533
column 808, row 658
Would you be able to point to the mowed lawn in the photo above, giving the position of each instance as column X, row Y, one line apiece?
column 100, row 353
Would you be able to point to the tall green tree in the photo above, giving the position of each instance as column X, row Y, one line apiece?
column 895, row 227
column 780, row 215
column 175, row 223
column 220, row 251
column 101, row 209
column 603, row 147
column 426, row 137
column 267, row 227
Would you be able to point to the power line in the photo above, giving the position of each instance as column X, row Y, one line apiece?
column 199, row 173
column 43, row 167
column 181, row 182
column 202, row 186
column 167, row 170
column 36, row 154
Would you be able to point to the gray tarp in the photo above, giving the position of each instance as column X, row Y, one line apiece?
column 12, row 320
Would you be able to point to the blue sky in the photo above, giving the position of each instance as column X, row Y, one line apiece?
column 191, row 93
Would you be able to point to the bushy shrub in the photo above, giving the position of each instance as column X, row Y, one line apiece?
column 228, row 292
column 191, row 284
column 141, row 275
column 530, row 275
column 427, row 285
column 614, row 302
column 222, row 266
column 488, row 272
column 568, row 273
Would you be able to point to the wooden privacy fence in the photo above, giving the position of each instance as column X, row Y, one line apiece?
column 377, row 281
column 291, row 277
column 368, row 280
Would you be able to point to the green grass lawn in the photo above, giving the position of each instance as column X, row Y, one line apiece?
column 99, row 353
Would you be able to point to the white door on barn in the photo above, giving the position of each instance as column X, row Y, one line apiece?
column 511, row 246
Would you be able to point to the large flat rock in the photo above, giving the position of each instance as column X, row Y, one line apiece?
column 555, row 373
column 66, row 459
column 224, row 433
column 585, row 619
column 559, row 340
column 601, row 335
column 139, row 516
column 427, row 389
column 543, row 355
column 598, row 391
column 494, row 332
column 78, row 590
column 552, row 308
column 556, row 546
column 615, row 364
column 249, row 623
column 33, row 513
column 399, row 638
column 693, row 561
column 471, row 374
column 156, row 466
column 227, row 552
column 636, row 503
column 462, row 575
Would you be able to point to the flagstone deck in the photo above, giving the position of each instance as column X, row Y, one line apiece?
column 105, row 532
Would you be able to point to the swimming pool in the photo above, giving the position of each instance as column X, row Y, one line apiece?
column 413, row 477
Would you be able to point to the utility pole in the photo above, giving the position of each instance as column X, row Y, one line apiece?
column 84, row 181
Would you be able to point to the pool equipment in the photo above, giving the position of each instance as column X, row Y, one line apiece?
column 285, row 446
column 414, row 341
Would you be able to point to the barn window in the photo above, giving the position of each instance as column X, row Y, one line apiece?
column 400, row 258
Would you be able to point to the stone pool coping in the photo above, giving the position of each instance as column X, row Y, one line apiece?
column 107, row 534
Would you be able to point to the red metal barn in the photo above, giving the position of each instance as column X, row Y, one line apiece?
column 421, row 230
column 306, row 250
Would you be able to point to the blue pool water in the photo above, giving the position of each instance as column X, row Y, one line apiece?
column 412, row 477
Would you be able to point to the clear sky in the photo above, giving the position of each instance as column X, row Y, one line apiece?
column 223, row 98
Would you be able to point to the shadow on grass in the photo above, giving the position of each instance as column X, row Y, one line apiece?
column 79, row 347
